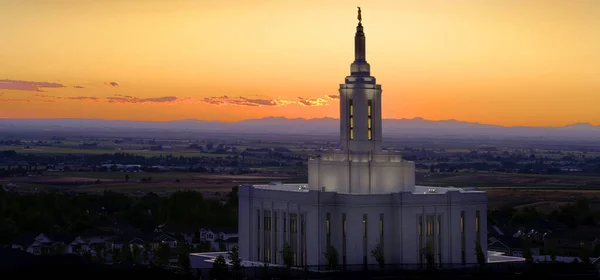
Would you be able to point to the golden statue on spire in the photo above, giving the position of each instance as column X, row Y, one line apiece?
column 359, row 16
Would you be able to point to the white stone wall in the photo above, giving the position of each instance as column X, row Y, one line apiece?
column 380, row 176
column 400, row 212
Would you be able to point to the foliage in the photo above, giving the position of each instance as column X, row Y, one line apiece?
column 146, row 253
column 428, row 254
column 99, row 250
column 183, row 257
column 377, row 254
column 136, row 253
column 480, row 254
column 331, row 255
column 204, row 246
column 287, row 254
column 222, row 247
column 57, row 249
column 219, row 268
column 51, row 212
column 584, row 254
column 126, row 253
column 116, row 255
column 87, row 255
column 234, row 258
column 163, row 253
column 596, row 249
column 527, row 252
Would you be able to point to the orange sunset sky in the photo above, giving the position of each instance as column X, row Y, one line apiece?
column 507, row 62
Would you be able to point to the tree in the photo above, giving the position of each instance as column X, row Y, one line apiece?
column 163, row 253
column 287, row 254
column 99, row 250
column 596, row 249
column 331, row 255
column 58, row 248
column 428, row 255
column 136, row 253
column 527, row 252
column 126, row 254
column 219, row 268
column 377, row 254
column 222, row 247
column 234, row 259
column 116, row 255
column 183, row 257
column 480, row 254
column 584, row 254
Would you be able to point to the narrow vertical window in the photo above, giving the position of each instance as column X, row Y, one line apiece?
column 328, row 228
column 462, row 234
column 275, row 237
column 381, row 245
column 429, row 238
column 302, row 240
column 439, row 237
column 420, row 238
column 267, row 236
column 351, row 118
column 365, row 248
column 370, row 119
column 258, row 234
column 285, row 229
column 344, row 239
column 477, row 230
column 294, row 236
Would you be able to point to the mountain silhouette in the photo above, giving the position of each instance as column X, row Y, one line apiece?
column 318, row 126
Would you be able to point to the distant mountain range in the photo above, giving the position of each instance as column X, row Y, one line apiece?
column 321, row 126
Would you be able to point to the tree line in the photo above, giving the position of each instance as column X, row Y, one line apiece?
column 76, row 212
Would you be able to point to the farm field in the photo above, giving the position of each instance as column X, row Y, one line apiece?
column 74, row 150
column 510, row 180
column 544, row 201
column 138, row 183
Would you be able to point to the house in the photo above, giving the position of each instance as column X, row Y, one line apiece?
column 217, row 236
column 176, row 229
column 171, row 240
column 511, row 246
column 570, row 242
column 43, row 244
column 97, row 246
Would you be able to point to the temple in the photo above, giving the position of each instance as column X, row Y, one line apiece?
column 361, row 199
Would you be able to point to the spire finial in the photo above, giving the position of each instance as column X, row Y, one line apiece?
column 359, row 16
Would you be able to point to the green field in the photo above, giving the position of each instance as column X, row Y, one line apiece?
column 74, row 150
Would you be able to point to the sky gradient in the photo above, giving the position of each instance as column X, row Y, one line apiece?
column 506, row 62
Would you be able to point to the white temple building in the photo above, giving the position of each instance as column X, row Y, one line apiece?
column 361, row 196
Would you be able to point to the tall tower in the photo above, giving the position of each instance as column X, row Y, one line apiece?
column 360, row 103
column 361, row 167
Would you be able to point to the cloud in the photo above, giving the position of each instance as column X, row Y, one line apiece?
column 259, row 102
column 78, row 87
column 332, row 97
column 129, row 99
column 312, row 101
column 27, row 85
column 15, row 100
column 85, row 98
column 44, row 96
column 239, row 101
column 242, row 101
column 114, row 84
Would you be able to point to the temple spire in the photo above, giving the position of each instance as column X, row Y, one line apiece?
column 359, row 41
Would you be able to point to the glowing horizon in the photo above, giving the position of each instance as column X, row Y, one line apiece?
column 510, row 63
